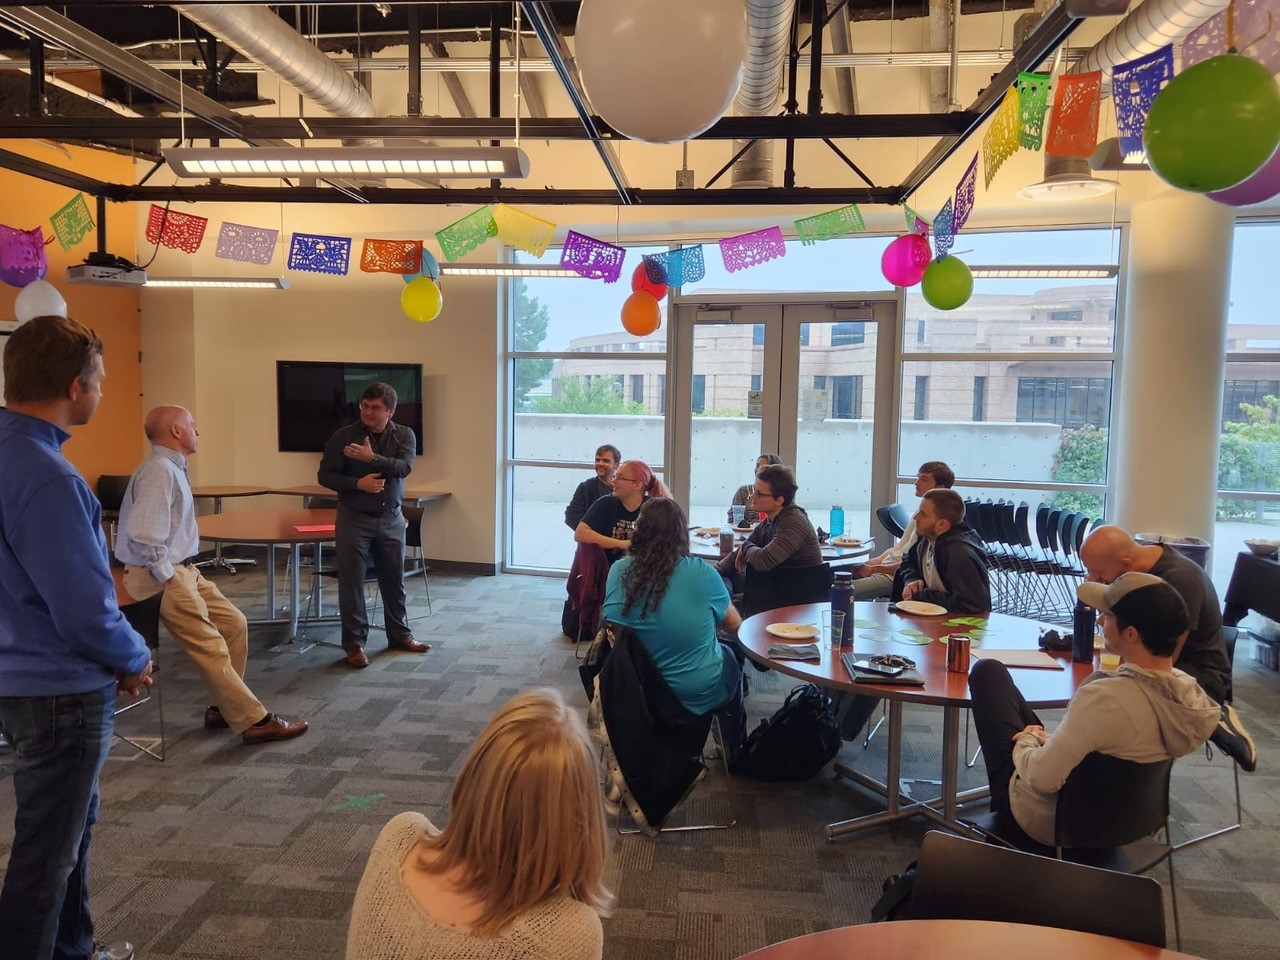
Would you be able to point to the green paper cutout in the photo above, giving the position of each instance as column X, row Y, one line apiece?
column 72, row 222
column 833, row 223
column 867, row 624
column 1033, row 103
column 357, row 803
column 910, row 641
column 462, row 236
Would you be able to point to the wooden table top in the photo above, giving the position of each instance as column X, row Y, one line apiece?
column 708, row 548
column 411, row 495
column 268, row 526
column 958, row 940
column 228, row 490
column 876, row 630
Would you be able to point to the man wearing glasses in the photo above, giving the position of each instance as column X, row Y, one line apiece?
column 784, row 537
column 366, row 463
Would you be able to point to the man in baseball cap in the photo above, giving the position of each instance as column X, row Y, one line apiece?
column 1146, row 711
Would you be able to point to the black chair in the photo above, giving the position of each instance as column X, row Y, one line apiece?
column 144, row 616
column 894, row 518
column 959, row 879
column 111, row 488
column 785, row 587
column 416, row 563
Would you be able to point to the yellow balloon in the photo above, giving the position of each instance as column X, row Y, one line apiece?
column 422, row 300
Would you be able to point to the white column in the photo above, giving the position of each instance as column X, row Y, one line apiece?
column 1171, row 365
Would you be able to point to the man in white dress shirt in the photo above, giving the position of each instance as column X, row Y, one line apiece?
column 157, row 539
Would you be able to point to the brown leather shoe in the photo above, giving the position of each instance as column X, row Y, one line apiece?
column 408, row 643
column 276, row 728
column 356, row 658
column 214, row 720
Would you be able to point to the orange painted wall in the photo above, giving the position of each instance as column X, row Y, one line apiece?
column 112, row 442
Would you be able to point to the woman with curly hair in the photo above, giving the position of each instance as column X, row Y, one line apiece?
column 674, row 603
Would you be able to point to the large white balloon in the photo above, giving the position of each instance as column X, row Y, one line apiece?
column 39, row 298
column 661, row 71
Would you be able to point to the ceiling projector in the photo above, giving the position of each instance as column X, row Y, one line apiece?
column 106, row 270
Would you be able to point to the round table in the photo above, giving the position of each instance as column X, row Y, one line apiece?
column 872, row 621
column 273, row 528
column 958, row 940
column 217, row 492
column 708, row 548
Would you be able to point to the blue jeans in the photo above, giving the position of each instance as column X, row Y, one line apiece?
column 59, row 745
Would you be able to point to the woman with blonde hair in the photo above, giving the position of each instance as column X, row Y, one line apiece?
column 517, row 873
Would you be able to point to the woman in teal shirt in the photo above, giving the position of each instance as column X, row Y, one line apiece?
column 674, row 602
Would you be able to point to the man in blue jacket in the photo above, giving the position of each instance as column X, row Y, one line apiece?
column 65, row 648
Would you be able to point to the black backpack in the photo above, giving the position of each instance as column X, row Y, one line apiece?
column 795, row 743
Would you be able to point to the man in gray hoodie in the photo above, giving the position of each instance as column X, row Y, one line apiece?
column 1146, row 711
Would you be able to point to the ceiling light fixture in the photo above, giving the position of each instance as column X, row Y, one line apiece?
column 1066, row 179
column 506, row 270
column 363, row 162
column 1033, row 271
column 231, row 283
column 1110, row 157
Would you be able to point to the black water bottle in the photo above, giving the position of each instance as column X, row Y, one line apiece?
column 1082, row 623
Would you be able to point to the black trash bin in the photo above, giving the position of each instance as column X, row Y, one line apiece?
column 1193, row 548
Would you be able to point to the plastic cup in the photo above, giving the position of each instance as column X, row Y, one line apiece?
column 1109, row 661
column 833, row 627
column 739, row 514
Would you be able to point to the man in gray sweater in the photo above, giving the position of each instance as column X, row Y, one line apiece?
column 784, row 537
column 1146, row 711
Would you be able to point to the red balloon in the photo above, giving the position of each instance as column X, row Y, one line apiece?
column 641, row 314
column 640, row 281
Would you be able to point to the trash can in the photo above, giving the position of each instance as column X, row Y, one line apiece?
column 1193, row 548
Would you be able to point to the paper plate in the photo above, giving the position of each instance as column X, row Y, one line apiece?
column 709, row 531
column 743, row 529
column 919, row 608
column 793, row 631
column 845, row 542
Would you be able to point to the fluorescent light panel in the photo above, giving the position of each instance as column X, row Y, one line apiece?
column 373, row 162
column 1033, row 271
column 505, row 270
column 231, row 283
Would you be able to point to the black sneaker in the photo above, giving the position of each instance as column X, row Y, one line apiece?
column 1233, row 739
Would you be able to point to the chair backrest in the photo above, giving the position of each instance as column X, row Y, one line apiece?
column 1021, row 526
column 785, row 586
column 1107, row 802
column 320, row 503
column 959, row 879
column 1053, row 523
column 144, row 616
column 111, row 488
column 889, row 518
column 413, row 525
column 1083, row 523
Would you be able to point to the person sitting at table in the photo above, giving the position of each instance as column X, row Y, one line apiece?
column 946, row 565
column 609, row 521
column 742, row 497
column 1147, row 711
column 674, row 602
column 784, row 537
column 1109, row 551
column 518, row 872
column 600, row 484
column 156, row 540
column 875, row 577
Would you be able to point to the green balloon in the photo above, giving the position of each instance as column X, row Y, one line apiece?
column 947, row 283
column 1214, row 125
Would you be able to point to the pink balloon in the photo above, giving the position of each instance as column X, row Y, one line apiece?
column 1262, row 185
column 904, row 261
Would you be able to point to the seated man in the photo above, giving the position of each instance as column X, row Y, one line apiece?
column 1109, row 552
column 593, row 488
column 784, row 536
column 946, row 565
column 1147, row 711
column 875, row 577
column 156, row 541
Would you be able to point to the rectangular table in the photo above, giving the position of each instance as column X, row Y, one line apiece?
column 412, row 495
column 1255, row 585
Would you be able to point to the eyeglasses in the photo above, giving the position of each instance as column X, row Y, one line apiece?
column 628, row 479
column 756, row 494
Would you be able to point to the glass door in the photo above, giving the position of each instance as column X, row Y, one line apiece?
column 803, row 379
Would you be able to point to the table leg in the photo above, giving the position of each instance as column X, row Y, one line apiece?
column 891, row 789
column 218, row 562
column 271, row 581
column 950, row 760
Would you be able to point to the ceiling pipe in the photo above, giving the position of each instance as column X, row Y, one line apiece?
column 768, row 34
column 1147, row 28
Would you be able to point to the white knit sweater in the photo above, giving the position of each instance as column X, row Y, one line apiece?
column 386, row 923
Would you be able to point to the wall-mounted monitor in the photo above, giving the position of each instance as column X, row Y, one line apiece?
column 313, row 399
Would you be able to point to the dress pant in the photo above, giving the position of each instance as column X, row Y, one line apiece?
column 360, row 539
column 999, row 713
column 211, row 630
column 59, row 745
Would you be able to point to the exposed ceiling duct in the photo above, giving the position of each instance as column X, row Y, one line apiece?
column 1154, row 24
column 768, row 34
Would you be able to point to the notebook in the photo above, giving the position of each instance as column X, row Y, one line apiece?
column 1030, row 659
column 908, row 678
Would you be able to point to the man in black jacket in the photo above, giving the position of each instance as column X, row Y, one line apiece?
column 366, row 463
column 593, row 488
column 946, row 565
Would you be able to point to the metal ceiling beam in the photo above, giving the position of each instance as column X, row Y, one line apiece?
column 797, row 127
column 453, row 83
column 544, row 25
column 1049, row 34
column 51, row 174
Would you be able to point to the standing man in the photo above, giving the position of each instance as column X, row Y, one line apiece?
column 875, row 577
column 65, row 648
column 366, row 464
column 1109, row 552
column 156, row 542
column 593, row 488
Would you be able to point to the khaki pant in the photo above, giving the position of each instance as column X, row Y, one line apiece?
column 212, row 632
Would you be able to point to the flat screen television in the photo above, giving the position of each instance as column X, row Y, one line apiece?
column 313, row 399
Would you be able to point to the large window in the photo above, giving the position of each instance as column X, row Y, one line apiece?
column 1067, row 401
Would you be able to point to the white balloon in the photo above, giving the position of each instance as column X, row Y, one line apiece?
column 661, row 71
column 39, row 298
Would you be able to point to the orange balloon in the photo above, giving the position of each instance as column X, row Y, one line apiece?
column 641, row 314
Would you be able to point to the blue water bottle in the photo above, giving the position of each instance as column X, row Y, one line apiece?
column 837, row 520
column 841, row 597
